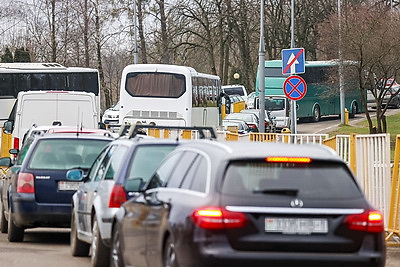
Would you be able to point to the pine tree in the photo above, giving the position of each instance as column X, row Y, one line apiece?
column 7, row 57
column 22, row 55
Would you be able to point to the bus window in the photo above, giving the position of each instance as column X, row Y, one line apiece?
column 169, row 85
column 75, row 81
column 91, row 82
column 57, row 81
column 6, row 85
column 38, row 81
column 22, row 83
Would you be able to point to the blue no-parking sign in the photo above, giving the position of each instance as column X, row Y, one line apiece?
column 294, row 87
column 293, row 61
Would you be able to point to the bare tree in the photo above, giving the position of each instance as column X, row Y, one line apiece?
column 365, row 41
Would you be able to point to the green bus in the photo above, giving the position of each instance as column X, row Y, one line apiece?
column 322, row 97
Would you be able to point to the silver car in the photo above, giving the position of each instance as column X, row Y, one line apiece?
column 117, row 173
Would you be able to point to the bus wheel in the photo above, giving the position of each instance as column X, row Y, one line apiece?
column 353, row 110
column 316, row 114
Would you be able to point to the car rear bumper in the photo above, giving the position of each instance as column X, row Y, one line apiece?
column 28, row 213
column 222, row 254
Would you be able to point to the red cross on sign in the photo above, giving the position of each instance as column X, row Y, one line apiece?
column 294, row 87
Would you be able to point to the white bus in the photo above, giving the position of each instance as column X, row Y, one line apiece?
column 17, row 77
column 168, row 95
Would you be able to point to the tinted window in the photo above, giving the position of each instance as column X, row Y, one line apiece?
column 156, row 84
column 181, row 169
column 318, row 180
column 144, row 162
column 64, row 154
column 161, row 176
column 196, row 179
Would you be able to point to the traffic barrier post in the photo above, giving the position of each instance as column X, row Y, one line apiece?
column 393, row 229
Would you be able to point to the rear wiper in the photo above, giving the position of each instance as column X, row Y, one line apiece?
column 281, row 191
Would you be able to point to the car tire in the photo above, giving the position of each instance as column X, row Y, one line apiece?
column 100, row 254
column 116, row 259
column 3, row 221
column 15, row 233
column 316, row 114
column 78, row 247
column 169, row 254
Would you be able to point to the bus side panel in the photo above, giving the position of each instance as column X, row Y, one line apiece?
column 205, row 116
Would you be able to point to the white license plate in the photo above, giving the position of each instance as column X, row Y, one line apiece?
column 68, row 186
column 303, row 226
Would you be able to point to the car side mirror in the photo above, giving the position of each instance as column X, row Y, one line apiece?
column 8, row 127
column 76, row 175
column 102, row 125
column 5, row 162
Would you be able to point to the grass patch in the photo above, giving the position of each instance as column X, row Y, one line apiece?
column 393, row 128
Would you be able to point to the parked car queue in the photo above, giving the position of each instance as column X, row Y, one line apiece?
column 149, row 202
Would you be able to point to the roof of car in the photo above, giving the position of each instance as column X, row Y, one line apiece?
column 253, row 150
column 75, row 136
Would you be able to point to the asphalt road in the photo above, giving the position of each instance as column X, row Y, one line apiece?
column 42, row 247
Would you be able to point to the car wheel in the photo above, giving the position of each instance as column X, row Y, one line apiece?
column 3, row 221
column 116, row 259
column 316, row 114
column 100, row 254
column 78, row 247
column 397, row 105
column 15, row 233
column 169, row 254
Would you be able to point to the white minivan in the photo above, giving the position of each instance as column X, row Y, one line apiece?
column 235, row 90
column 38, row 108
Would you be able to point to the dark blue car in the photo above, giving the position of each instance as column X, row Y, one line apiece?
column 35, row 191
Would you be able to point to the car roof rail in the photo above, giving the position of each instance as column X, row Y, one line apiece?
column 124, row 129
column 139, row 129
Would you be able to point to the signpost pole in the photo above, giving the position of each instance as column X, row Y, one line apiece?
column 261, row 72
column 293, row 113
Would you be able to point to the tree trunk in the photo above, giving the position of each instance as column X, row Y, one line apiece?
column 165, row 58
column 143, row 49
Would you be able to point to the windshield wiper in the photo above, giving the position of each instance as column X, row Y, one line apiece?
column 280, row 191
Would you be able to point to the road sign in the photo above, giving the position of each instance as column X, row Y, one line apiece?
column 294, row 87
column 293, row 61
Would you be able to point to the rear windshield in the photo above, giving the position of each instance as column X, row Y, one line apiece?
column 318, row 180
column 234, row 91
column 59, row 154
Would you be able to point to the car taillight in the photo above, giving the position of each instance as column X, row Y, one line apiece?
column 117, row 197
column 25, row 183
column 252, row 126
column 16, row 143
column 369, row 221
column 218, row 218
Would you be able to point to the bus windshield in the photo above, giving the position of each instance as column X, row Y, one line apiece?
column 169, row 85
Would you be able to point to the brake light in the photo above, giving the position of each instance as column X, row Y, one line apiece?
column 117, row 197
column 369, row 221
column 288, row 159
column 25, row 183
column 16, row 143
column 218, row 218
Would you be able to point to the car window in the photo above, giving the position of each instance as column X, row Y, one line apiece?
column 144, row 162
column 117, row 158
column 196, row 178
column 160, row 177
column 24, row 150
column 96, row 164
column 181, row 169
column 318, row 180
column 63, row 154
column 101, row 170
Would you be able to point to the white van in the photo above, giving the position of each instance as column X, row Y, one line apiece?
column 235, row 90
column 67, row 108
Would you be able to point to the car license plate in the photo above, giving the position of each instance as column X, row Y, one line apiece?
column 68, row 186
column 304, row 226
